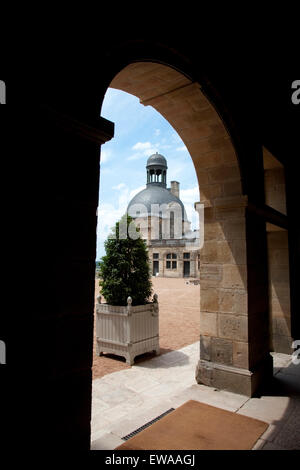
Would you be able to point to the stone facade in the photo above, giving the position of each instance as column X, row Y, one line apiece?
column 174, row 261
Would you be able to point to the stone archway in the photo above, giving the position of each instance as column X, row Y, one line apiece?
column 62, row 133
column 233, row 321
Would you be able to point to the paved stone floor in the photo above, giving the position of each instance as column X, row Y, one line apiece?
column 125, row 400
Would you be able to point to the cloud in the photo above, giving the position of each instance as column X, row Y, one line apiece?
column 180, row 149
column 190, row 195
column 165, row 146
column 136, row 156
column 109, row 214
column 176, row 169
column 105, row 155
column 142, row 146
column 135, row 191
column 175, row 138
column 143, row 149
column 119, row 186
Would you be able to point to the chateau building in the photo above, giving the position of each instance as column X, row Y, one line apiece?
column 161, row 217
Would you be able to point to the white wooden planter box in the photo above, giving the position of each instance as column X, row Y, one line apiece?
column 127, row 331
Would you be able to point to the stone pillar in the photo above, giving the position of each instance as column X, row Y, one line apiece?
column 278, row 258
column 234, row 342
column 275, row 188
column 193, row 261
column 279, row 290
column 292, row 194
column 54, row 336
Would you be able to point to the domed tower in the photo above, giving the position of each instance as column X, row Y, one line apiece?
column 156, row 191
column 161, row 217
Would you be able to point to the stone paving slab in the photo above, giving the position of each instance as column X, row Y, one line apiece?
column 269, row 409
column 144, row 386
column 218, row 398
column 147, row 415
column 106, row 441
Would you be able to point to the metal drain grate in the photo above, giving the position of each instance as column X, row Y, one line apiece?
column 125, row 438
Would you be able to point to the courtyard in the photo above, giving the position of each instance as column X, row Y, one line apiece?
column 179, row 322
column 126, row 399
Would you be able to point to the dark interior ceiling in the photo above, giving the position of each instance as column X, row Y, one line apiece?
column 255, row 77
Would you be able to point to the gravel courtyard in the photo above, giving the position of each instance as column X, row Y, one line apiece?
column 179, row 322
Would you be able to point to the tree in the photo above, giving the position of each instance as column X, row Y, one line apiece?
column 124, row 270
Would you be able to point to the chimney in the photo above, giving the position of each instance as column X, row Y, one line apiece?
column 175, row 188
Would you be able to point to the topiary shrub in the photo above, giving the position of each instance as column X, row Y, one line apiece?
column 124, row 270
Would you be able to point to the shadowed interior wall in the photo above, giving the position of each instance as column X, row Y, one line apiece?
column 278, row 259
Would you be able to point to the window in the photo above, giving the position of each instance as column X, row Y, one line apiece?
column 198, row 257
column 171, row 264
column 155, row 255
column 186, row 255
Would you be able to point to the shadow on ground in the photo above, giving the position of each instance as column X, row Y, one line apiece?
column 143, row 359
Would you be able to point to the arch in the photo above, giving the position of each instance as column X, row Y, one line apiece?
column 234, row 343
column 182, row 103
column 64, row 113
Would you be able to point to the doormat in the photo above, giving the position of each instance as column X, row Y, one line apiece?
column 197, row 426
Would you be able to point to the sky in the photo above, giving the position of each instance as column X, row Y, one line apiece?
column 140, row 131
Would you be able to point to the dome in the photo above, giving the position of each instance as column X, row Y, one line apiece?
column 156, row 192
column 157, row 160
column 154, row 195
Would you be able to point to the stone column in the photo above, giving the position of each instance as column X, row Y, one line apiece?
column 193, row 261
column 234, row 343
column 279, row 290
column 292, row 184
column 55, row 331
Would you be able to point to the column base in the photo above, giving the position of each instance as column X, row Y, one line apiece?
column 242, row 381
